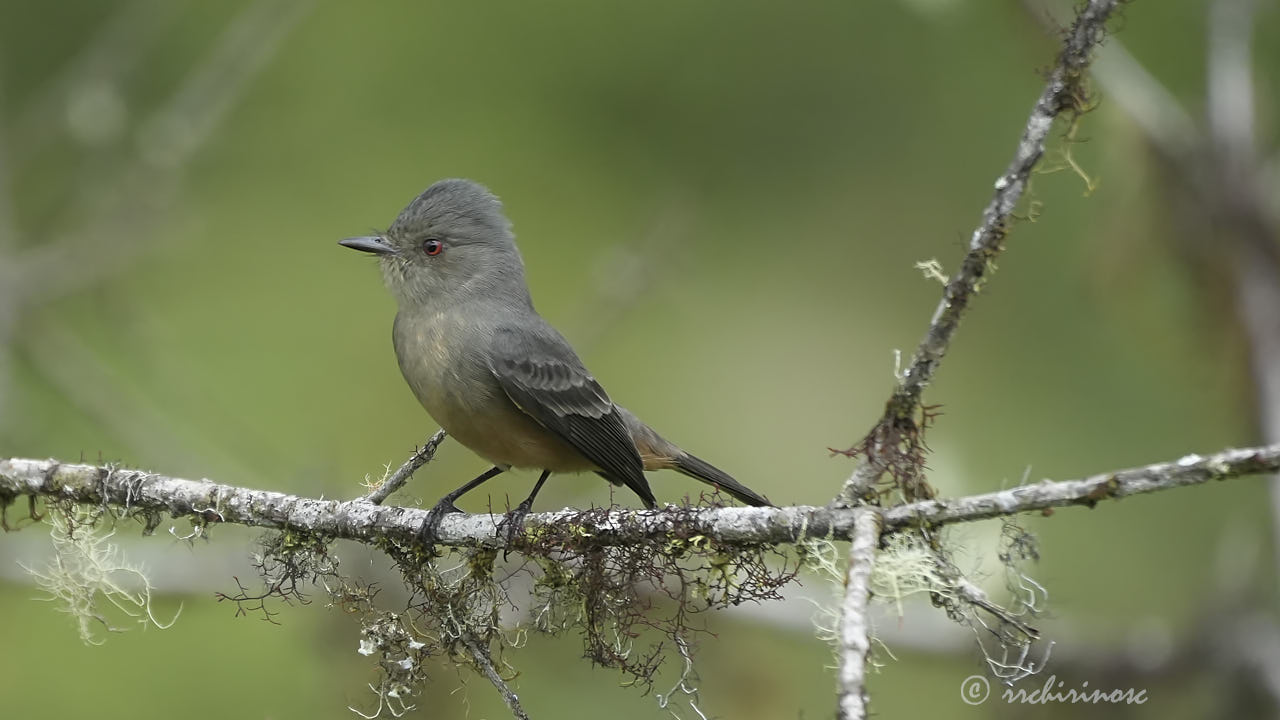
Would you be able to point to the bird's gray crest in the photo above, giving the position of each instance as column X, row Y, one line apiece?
column 456, row 209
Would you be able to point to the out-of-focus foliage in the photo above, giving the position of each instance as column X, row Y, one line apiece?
column 721, row 203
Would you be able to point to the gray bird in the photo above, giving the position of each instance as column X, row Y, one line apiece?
column 490, row 370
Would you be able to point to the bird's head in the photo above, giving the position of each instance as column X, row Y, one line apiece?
column 451, row 244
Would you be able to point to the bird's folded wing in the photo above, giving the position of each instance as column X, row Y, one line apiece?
column 562, row 396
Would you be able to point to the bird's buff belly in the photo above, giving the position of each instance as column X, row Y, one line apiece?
column 462, row 395
column 504, row 435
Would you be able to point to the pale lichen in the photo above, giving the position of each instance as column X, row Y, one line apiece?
column 88, row 575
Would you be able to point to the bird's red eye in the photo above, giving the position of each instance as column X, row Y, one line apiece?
column 433, row 247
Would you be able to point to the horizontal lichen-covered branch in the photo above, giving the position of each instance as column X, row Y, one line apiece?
column 1188, row 470
column 204, row 501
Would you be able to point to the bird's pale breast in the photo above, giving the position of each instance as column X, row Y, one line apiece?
column 443, row 360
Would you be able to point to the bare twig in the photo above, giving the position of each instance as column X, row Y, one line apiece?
column 364, row 522
column 485, row 664
column 975, row 595
column 855, row 625
column 420, row 457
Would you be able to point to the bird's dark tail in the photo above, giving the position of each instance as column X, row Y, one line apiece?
column 700, row 469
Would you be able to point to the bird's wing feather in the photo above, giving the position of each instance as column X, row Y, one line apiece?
column 544, row 378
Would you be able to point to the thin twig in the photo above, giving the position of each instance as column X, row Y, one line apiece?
column 975, row 595
column 485, row 665
column 855, row 625
column 364, row 522
column 401, row 476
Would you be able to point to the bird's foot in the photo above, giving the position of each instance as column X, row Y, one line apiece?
column 429, row 532
column 512, row 525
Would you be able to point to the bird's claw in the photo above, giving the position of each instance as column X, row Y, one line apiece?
column 429, row 532
column 512, row 525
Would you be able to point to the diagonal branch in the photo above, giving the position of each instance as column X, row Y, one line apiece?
column 485, row 663
column 1062, row 93
column 361, row 521
column 401, row 476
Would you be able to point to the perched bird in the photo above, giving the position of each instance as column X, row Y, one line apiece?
column 488, row 368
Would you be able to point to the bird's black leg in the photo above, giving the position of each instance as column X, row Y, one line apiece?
column 427, row 533
column 514, row 520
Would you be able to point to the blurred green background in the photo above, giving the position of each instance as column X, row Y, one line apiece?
column 719, row 203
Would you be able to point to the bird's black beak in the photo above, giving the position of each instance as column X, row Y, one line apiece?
column 370, row 244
